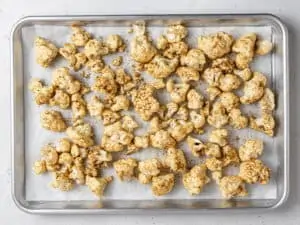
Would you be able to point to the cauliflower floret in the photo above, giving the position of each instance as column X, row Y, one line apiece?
column 78, row 107
column 229, row 82
column 162, row 42
column 68, row 50
column 141, row 49
column 121, row 102
column 195, row 179
column 77, row 61
column 195, row 59
column 62, row 181
column 225, row 64
column 158, row 84
column 179, row 129
column 163, row 184
column 219, row 136
column 111, row 145
column 39, row 167
column 254, row 88
column 253, row 171
column 267, row 102
column 198, row 119
column 175, row 160
column 95, row 49
column 109, row 117
column 53, row 120
column 65, row 159
column 229, row 100
column 62, row 78
column 154, row 125
column 182, row 113
column 106, row 83
column 237, row 120
column 265, row 124
column 218, row 117
column 95, row 107
column 97, row 156
column 196, row 146
column 217, row 176
column 98, row 185
column 251, row 149
column 215, row 45
column 214, row 164
column 176, row 49
column 212, row 76
column 115, row 43
column 230, row 156
column 64, row 145
column 263, row 47
column 187, row 74
column 144, row 103
column 232, row 186
column 81, row 134
column 77, row 174
column 148, row 168
column 42, row 94
column 161, row 67
column 122, row 137
column 141, row 141
column 178, row 92
column 213, row 93
column 213, row 150
column 95, row 65
column 242, row 61
column 171, row 109
column 60, row 99
column 45, row 51
column 122, row 77
column 129, row 124
column 176, row 33
column 125, row 168
column 162, row 140
column 245, row 74
column 79, row 36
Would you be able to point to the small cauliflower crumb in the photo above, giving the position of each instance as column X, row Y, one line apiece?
column 45, row 51
column 175, row 160
column 253, row 171
column 117, row 61
column 162, row 140
column 81, row 134
column 163, row 184
column 125, row 168
column 53, row 120
column 263, row 47
column 232, row 186
column 251, row 149
column 265, row 123
column 97, row 185
column 195, row 59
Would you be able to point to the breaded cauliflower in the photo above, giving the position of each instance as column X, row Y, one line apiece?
column 161, row 67
column 53, row 120
column 251, row 149
column 163, row 184
column 215, row 45
column 229, row 82
column 253, row 171
column 115, row 43
column 263, row 47
column 237, row 120
column 106, row 83
column 62, row 79
column 176, row 49
column 265, row 124
column 95, row 65
column 141, row 49
column 97, row 185
column 218, row 117
column 229, row 100
column 198, row 119
column 187, row 74
column 81, row 134
column 212, row 76
column 214, row 164
column 179, row 129
column 230, row 156
column 196, row 146
column 129, row 124
column 194, row 180
column 148, row 169
column 125, row 168
column 254, row 88
column 62, row 181
column 178, row 91
column 45, row 51
column 39, row 167
column 267, row 102
column 213, row 93
column 42, row 93
column 225, row 64
column 176, row 33
column 60, row 99
column 213, row 150
column 79, row 36
column 195, row 59
column 95, row 107
column 175, row 160
column 162, row 140
column 245, row 74
column 95, row 49
column 219, row 136
column 232, row 186
column 121, row 102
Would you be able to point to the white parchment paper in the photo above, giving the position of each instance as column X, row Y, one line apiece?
column 37, row 187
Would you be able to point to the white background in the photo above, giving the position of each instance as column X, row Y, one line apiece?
column 12, row 10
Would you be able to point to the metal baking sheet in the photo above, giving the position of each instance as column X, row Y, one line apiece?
column 33, row 194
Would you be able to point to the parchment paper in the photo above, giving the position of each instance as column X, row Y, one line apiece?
column 37, row 187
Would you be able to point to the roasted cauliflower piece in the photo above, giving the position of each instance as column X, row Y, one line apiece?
column 106, row 83
column 197, row 147
column 187, row 74
column 267, row 102
column 98, row 185
column 178, row 91
column 120, row 102
column 125, row 168
column 163, row 184
column 176, row 49
column 218, row 116
column 141, row 49
column 81, row 134
column 95, row 65
column 175, row 160
column 245, row 74
column 213, row 93
column 213, row 150
column 265, row 124
column 42, row 93
column 39, row 167
column 64, row 145
column 162, row 42
column 176, row 33
column 62, row 79
column 78, row 106
column 195, row 179
column 212, row 76
column 129, row 124
column 194, row 99
column 225, row 64
column 229, row 100
column 79, row 36
column 171, row 109
column 45, row 51
column 232, row 186
column 253, row 171
column 95, row 107
column 179, row 129
column 53, row 120
column 230, row 156
column 62, row 181
column 214, row 164
column 198, row 119
column 229, row 82
column 263, row 47
column 161, row 67
column 251, row 149
column 195, row 59
column 219, row 136
column 237, row 120
column 60, row 99
column 148, row 169
column 162, row 140
column 95, row 49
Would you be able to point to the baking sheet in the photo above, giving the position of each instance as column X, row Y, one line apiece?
column 37, row 187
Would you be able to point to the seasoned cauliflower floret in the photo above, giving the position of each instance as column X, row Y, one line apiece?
column 65, row 159
column 95, row 107
column 144, row 103
column 97, row 185
column 254, row 88
column 214, row 164
column 219, row 136
column 179, row 129
column 45, row 51
column 187, row 74
column 213, row 150
column 267, row 102
column 141, row 49
column 195, row 179
column 95, row 65
column 217, row 176
column 115, row 43
column 163, row 184
column 105, row 83
column 121, row 102
column 129, row 124
column 253, row 171
column 42, row 94
column 171, row 109
column 141, row 141
column 176, row 49
column 39, row 167
column 251, row 149
column 218, row 117
column 195, row 59
column 109, row 117
column 225, row 64
column 62, row 181
column 263, row 47
column 215, row 45
column 265, row 124
column 178, row 92
column 79, row 36
column 53, row 120
column 237, row 120
column 229, row 100
column 175, row 160
column 213, row 93
column 68, row 50
column 230, row 156
column 78, row 106
column 245, row 74
column 77, row 174
column 125, row 168
column 162, row 140
column 196, row 146
column 195, row 100
column 60, row 99
column 95, row 49
column 229, row 82
column 161, row 67
column 198, row 119
column 148, row 168
column 81, row 134
column 162, row 42
column 232, row 186
column 62, row 79
column 97, row 156
column 212, row 76
column 176, row 33
column 64, row 145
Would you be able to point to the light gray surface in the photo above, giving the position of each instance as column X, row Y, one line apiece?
column 10, row 11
